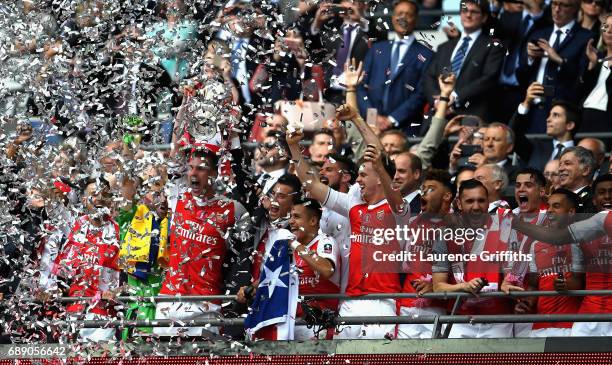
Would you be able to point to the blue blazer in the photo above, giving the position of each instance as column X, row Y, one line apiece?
column 406, row 98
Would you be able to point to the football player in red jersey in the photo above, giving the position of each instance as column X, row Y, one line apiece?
column 437, row 193
column 197, row 246
column 554, row 268
column 529, row 194
column 316, row 257
column 88, row 261
column 595, row 237
column 461, row 267
column 372, row 206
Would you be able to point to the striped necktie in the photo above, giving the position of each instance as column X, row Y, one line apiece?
column 460, row 55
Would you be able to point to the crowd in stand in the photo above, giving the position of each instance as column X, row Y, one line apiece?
column 330, row 93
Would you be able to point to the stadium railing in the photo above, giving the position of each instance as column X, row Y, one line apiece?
column 437, row 320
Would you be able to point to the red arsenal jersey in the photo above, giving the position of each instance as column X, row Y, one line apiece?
column 519, row 242
column 420, row 246
column 310, row 282
column 197, row 245
column 464, row 271
column 368, row 222
column 548, row 261
column 595, row 237
column 89, row 259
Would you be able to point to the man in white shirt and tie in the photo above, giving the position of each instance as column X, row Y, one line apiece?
column 561, row 125
column 273, row 160
column 514, row 29
column 475, row 58
column 555, row 57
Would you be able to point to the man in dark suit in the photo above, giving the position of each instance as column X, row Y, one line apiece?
column 474, row 57
column 598, row 149
column 339, row 33
column 393, row 73
column 407, row 178
column 497, row 147
column 555, row 57
column 248, row 50
column 576, row 168
column 514, row 28
column 561, row 125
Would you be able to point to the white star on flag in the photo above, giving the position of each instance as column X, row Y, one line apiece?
column 272, row 280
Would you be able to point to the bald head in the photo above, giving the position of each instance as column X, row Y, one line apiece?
column 596, row 146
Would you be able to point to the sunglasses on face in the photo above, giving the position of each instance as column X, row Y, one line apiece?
column 596, row 2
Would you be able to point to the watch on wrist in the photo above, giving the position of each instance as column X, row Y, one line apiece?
column 444, row 98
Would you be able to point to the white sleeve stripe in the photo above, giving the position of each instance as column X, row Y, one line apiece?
column 327, row 196
column 571, row 231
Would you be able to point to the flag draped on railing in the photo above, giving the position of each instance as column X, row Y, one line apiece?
column 275, row 300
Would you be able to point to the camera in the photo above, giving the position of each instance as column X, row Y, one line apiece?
column 336, row 9
column 468, row 150
column 470, row 121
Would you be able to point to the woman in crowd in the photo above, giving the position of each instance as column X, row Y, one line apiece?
column 596, row 85
column 591, row 11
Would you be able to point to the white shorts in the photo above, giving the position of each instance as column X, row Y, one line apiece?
column 481, row 330
column 96, row 334
column 186, row 311
column 522, row 330
column 417, row 330
column 551, row 332
column 362, row 308
column 581, row 329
